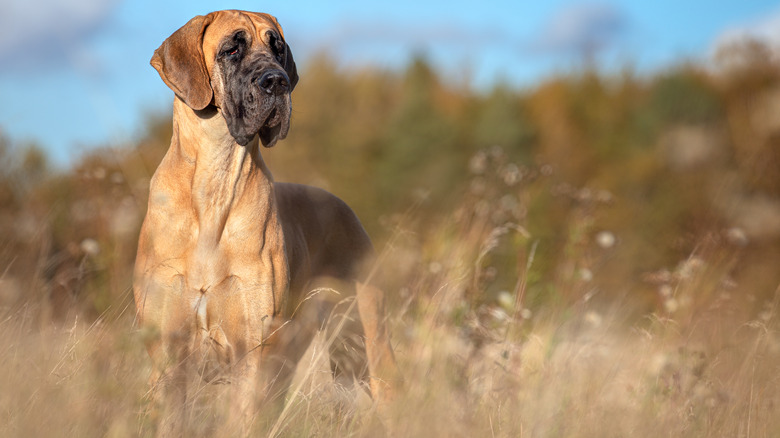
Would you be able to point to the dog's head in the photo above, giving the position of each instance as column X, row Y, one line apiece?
column 237, row 61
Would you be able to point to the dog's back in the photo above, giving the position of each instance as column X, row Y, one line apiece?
column 323, row 237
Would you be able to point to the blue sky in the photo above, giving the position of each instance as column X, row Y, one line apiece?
column 75, row 73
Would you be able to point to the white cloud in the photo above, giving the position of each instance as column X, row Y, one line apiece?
column 360, row 34
column 45, row 32
column 765, row 29
column 583, row 29
column 389, row 44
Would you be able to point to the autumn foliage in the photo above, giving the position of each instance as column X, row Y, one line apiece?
column 510, row 222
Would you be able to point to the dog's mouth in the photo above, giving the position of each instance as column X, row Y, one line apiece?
column 269, row 120
column 273, row 119
column 275, row 125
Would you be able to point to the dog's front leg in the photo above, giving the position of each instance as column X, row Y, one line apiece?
column 169, row 380
column 169, row 345
column 244, row 379
column 172, row 395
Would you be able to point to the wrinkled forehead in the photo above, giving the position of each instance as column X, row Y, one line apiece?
column 225, row 24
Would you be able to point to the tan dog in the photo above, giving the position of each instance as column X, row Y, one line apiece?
column 225, row 254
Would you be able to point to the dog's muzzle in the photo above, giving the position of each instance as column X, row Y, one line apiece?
column 258, row 103
column 274, row 86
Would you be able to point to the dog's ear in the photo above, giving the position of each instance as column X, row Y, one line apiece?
column 179, row 61
column 289, row 67
column 289, row 62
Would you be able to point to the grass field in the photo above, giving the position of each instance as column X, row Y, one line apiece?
column 705, row 364
column 579, row 371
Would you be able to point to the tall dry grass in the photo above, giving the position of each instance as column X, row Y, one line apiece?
column 483, row 351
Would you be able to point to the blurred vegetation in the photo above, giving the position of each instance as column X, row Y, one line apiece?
column 594, row 255
column 609, row 178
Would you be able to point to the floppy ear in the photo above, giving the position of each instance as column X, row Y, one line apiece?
column 289, row 67
column 289, row 62
column 179, row 61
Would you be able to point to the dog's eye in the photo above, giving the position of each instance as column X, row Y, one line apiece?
column 232, row 48
column 230, row 51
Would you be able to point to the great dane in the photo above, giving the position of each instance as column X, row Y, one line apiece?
column 226, row 255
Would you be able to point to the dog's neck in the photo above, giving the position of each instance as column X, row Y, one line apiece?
column 223, row 173
column 213, row 214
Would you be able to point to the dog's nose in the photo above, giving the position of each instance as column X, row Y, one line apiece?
column 274, row 82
